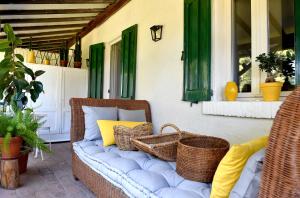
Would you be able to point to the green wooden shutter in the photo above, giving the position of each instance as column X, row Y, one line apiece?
column 297, row 40
column 197, row 54
column 128, row 62
column 96, row 71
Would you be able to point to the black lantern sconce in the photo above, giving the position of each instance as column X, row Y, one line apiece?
column 156, row 32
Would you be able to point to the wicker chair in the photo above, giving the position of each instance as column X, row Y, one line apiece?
column 95, row 182
column 281, row 171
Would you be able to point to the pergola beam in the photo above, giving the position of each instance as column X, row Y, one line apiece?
column 39, row 34
column 49, row 27
column 41, row 12
column 56, row 1
column 47, row 20
column 52, row 38
column 100, row 18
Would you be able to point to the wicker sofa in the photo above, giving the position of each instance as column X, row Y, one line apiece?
column 95, row 182
column 281, row 169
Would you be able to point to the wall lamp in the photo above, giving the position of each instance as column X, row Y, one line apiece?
column 156, row 32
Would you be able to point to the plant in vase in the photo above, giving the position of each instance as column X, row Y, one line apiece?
column 77, row 53
column 22, row 126
column 14, row 89
column 47, row 59
column 274, row 65
column 30, row 55
column 64, row 55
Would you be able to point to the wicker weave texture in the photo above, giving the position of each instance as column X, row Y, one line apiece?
column 281, row 170
column 163, row 146
column 199, row 157
column 77, row 115
column 94, row 181
column 124, row 135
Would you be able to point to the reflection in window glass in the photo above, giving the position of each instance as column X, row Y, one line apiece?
column 242, row 46
column 282, row 36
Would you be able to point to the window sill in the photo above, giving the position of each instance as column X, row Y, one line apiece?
column 245, row 109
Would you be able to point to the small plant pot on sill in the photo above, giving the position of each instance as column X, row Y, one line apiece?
column 77, row 64
column 14, row 148
column 46, row 62
column 271, row 91
column 63, row 63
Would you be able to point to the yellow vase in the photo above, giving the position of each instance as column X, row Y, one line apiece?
column 231, row 91
column 46, row 62
column 271, row 91
column 31, row 57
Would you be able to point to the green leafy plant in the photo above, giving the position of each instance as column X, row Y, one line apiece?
column 277, row 62
column 64, row 53
column 77, row 51
column 47, row 57
column 13, row 85
column 270, row 63
column 23, row 124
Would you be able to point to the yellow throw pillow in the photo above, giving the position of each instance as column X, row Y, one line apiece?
column 107, row 129
column 231, row 166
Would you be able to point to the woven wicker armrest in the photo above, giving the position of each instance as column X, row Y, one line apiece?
column 77, row 115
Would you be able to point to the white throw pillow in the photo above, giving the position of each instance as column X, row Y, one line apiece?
column 132, row 115
column 92, row 114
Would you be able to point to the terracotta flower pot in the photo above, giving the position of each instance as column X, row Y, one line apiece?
column 77, row 64
column 271, row 91
column 13, row 150
column 23, row 159
column 63, row 63
column 231, row 91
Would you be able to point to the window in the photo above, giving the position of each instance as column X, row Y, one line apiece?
column 115, row 71
column 260, row 26
column 242, row 39
column 282, row 36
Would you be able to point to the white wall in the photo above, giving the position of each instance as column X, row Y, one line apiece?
column 160, row 70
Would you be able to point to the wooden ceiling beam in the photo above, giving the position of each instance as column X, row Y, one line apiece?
column 48, row 39
column 46, row 20
column 56, row 1
column 43, row 46
column 39, row 34
column 49, row 27
column 41, row 12
column 99, row 19
column 45, row 43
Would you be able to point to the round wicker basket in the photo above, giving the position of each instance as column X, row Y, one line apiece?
column 199, row 157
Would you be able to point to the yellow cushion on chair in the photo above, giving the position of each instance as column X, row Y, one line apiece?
column 231, row 166
column 107, row 129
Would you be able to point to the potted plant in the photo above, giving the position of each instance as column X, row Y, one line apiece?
column 47, row 59
column 273, row 64
column 77, row 53
column 64, row 55
column 14, row 87
column 14, row 91
column 22, row 126
column 30, row 55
